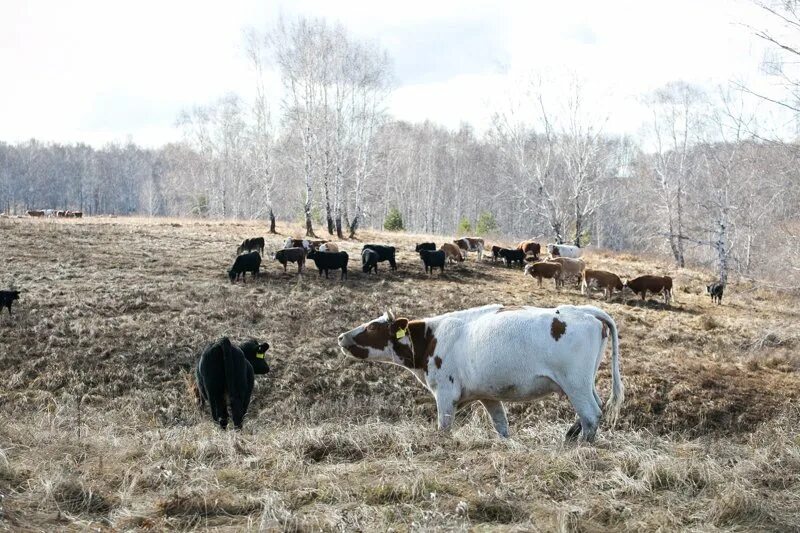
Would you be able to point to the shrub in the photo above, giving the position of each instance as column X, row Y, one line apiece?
column 464, row 227
column 393, row 221
column 486, row 224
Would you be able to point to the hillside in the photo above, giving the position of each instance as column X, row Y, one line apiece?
column 97, row 428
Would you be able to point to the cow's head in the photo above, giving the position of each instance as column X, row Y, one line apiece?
column 378, row 340
column 14, row 295
column 256, row 354
column 619, row 286
column 232, row 275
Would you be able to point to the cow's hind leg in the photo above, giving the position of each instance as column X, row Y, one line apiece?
column 585, row 402
column 498, row 415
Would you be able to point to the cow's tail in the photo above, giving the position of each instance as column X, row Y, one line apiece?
column 614, row 403
column 228, row 364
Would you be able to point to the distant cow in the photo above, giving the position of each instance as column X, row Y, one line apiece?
column 530, row 248
column 715, row 290
column 425, row 246
column 564, row 250
column 433, row 259
column 369, row 260
column 297, row 243
column 470, row 244
column 7, row 298
column 385, row 253
column 495, row 354
column 570, row 268
column 654, row 284
column 544, row 269
column 328, row 247
column 73, row 214
column 248, row 245
column 496, row 252
column 452, row 252
column 250, row 262
column 291, row 255
column 35, row 213
column 225, row 376
column 608, row 281
column 512, row 256
column 327, row 261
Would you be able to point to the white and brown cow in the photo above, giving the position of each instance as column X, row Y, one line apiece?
column 470, row 244
column 493, row 354
column 564, row 250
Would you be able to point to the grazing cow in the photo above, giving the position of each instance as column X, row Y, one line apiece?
column 608, row 281
column 544, row 269
column 470, row 244
column 35, row 213
column 425, row 246
column 248, row 245
column 291, row 255
column 329, row 247
column 452, row 252
column 564, row 250
column 493, row 354
column 385, row 253
column 7, row 298
column 433, row 259
column 249, row 262
column 297, row 243
column 369, row 260
column 530, row 248
column 512, row 256
column 654, row 284
column 716, row 290
column 77, row 214
column 225, row 376
column 327, row 261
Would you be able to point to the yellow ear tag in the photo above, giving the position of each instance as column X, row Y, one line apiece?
column 400, row 333
column 260, row 355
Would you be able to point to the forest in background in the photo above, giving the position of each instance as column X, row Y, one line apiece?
column 698, row 183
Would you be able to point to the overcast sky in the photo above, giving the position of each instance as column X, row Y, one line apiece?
column 102, row 71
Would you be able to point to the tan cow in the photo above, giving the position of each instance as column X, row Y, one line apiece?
column 452, row 252
column 608, row 281
column 530, row 248
column 544, row 269
column 570, row 268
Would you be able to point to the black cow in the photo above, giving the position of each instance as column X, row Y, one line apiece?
column 716, row 290
column 385, row 253
column 425, row 246
column 326, row 261
column 512, row 256
column 369, row 260
column 6, row 298
column 291, row 255
column 496, row 252
column 250, row 262
column 433, row 259
column 225, row 376
column 248, row 245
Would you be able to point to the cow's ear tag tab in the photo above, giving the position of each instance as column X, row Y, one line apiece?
column 400, row 333
column 260, row 355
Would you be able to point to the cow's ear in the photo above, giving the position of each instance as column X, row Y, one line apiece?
column 399, row 327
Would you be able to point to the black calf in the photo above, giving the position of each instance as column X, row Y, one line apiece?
column 716, row 290
column 385, row 253
column 326, row 261
column 433, row 259
column 369, row 260
column 6, row 298
column 250, row 262
column 512, row 256
column 425, row 246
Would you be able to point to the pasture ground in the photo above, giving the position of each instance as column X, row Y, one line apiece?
column 97, row 430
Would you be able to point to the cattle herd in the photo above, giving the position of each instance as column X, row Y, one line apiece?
column 488, row 354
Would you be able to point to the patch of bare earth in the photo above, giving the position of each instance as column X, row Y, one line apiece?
column 97, row 428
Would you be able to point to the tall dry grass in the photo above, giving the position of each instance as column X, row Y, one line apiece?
column 97, row 429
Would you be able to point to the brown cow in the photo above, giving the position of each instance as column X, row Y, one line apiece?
column 544, row 269
column 35, row 213
column 530, row 248
column 452, row 252
column 292, row 255
column 608, row 281
column 654, row 284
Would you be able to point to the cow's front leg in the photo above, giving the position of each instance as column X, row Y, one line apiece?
column 497, row 412
column 446, row 402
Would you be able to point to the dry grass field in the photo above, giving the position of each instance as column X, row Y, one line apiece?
column 98, row 431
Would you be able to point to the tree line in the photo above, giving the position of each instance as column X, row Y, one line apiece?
column 697, row 184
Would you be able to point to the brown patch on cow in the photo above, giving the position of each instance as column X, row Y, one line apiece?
column 423, row 344
column 510, row 308
column 557, row 328
column 358, row 351
column 438, row 361
column 375, row 335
